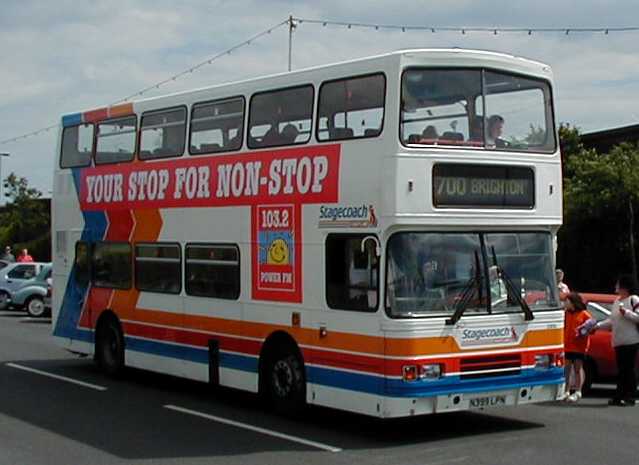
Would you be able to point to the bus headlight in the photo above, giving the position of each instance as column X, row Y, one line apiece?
column 433, row 371
column 417, row 372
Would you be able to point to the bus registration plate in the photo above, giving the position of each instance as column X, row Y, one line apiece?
column 487, row 401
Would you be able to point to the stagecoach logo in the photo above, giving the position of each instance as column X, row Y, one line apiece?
column 361, row 216
column 482, row 336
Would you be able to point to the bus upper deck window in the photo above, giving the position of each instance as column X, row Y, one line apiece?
column 77, row 146
column 217, row 126
column 163, row 133
column 115, row 141
column 351, row 108
column 437, row 107
column 476, row 108
column 281, row 117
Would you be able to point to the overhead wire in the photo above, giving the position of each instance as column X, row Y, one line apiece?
column 173, row 78
column 349, row 25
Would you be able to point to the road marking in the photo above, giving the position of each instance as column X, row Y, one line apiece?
column 61, row 378
column 453, row 460
column 287, row 437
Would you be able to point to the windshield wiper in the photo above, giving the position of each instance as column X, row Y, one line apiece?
column 467, row 294
column 510, row 288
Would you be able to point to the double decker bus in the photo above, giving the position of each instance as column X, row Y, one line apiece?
column 374, row 236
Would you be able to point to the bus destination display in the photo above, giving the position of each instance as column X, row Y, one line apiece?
column 481, row 186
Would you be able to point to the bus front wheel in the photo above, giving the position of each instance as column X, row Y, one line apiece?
column 109, row 347
column 285, row 382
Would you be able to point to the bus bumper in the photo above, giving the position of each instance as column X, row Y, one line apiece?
column 453, row 402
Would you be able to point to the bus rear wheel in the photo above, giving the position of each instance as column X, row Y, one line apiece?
column 285, row 383
column 109, row 347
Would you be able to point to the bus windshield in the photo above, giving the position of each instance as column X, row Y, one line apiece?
column 429, row 274
column 476, row 108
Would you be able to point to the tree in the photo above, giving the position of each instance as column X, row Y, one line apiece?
column 598, row 185
column 25, row 220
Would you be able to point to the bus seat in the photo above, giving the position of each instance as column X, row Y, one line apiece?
column 209, row 147
column 452, row 136
column 271, row 137
column 341, row 133
column 414, row 138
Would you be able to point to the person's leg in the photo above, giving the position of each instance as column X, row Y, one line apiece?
column 579, row 377
column 631, row 378
column 570, row 377
column 626, row 371
column 619, row 389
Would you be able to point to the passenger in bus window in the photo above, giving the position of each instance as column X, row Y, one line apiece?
column 495, row 130
column 271, row 137
column 429, row 134
column 289, row 134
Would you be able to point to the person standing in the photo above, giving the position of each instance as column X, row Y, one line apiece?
column 623, row 321
column 562, row 287
column 24, row 256
column 8, row 256
column 575, row 344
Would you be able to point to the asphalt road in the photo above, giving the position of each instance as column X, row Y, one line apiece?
column 149, row 418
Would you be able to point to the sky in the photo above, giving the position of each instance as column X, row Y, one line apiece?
column 68, row 56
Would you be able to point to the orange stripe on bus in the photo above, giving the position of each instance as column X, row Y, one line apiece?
column 448, row 344
column 121, row 110
column 334, row 340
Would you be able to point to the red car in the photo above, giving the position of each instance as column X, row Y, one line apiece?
column 601, row 363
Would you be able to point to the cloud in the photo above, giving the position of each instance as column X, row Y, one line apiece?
column 67, row 56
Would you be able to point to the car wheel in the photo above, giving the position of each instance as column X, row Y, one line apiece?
column 35, row 307
column 4, row 300
column 285, row 383
column 109, row 347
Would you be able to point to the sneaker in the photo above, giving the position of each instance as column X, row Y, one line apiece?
column 573, row 398
column 629, row 402
column 616, row 402
column 578, row 394
column 563, row 396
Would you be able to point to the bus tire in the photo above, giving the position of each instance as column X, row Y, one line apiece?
column 284, row 385
column 109, row 346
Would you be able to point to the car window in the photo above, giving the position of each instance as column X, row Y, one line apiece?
column 22, row 272
column 45, row 272
column 596, row 312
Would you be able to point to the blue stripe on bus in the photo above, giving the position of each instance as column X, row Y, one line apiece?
column 191, row 354
column 71, row 120
column 371, row 384
column 398, row 388
column 95, row 225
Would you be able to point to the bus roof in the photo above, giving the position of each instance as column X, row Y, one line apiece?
column 450, row 57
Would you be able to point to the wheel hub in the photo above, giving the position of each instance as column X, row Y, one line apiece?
column 36, row 307
column 282, row 378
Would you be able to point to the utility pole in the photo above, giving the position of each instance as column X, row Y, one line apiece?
column 291, row 27
column 1, row 181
